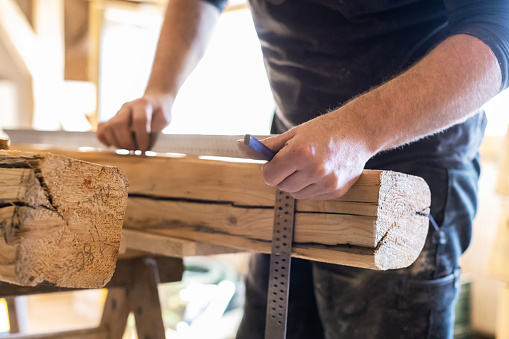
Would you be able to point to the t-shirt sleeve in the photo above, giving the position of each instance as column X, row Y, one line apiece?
column 219, row 4
column 487, row 20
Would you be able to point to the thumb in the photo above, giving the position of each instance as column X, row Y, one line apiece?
column 278, row 141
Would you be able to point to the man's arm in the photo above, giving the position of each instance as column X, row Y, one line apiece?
column 322, row 158
column 182, row 42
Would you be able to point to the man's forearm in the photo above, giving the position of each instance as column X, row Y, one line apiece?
column 182, row 42
column 444, row 88
column 187, row 26
column 322, row 158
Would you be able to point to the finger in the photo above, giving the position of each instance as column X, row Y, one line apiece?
column 325, row 196
column 124, row 138
column 152, row 139
column 295, row 182
column 109, row 135
column 121, row 129
column 141, row 121
column 279, row 168
column 102, row 134
column 114, row 141
column 329, row 187
column 313, row 191
column 282, row 165
column 277, row 142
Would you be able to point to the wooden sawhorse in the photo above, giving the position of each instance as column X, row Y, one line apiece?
column 133, row 288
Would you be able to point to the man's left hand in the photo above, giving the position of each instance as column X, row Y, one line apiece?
column 320, row 159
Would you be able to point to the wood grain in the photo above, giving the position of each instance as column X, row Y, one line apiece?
column 381, row 223
column 60, row 220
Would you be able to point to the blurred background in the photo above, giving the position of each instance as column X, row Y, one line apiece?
column 67, row 64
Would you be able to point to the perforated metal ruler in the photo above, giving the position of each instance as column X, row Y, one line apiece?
column 280, row 257
column 280, row 260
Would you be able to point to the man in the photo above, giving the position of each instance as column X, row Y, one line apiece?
column 386, row 84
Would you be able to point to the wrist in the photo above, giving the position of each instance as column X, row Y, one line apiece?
column 367, row 134
column 161, row 97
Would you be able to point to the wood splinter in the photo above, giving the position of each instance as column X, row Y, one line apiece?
column 60, row 220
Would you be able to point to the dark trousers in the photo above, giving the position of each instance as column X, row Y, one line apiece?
column 333, row 301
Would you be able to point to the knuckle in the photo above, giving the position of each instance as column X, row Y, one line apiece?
column 142, row 101
column 139, row 121
column 117, row 124
column 301, row 152
column 333, row 183
column 318, row 171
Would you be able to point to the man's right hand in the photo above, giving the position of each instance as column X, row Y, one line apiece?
column 137, row 123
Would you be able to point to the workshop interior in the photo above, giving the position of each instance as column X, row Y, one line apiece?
column 66, row 65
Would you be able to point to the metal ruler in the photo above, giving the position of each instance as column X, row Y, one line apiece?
column 190, row 144
column 280, row 257
column 280, row 260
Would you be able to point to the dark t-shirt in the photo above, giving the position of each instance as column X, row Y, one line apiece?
column 321, row 53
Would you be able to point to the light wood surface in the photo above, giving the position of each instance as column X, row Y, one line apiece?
column 151, row 243
column 499, row 263
column 503, row 314
column 381, row 223
column 60, row 220
column 503, row 168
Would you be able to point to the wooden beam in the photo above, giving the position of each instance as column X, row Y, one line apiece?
column 20, row 42
column 60, row 220
column 39, row 52
column 169, row 270
column 18, row 35
column 381, row 223
column 95, row 25
column 48, row 80
column 86, row 333
column 133, row 288
column 173, row 247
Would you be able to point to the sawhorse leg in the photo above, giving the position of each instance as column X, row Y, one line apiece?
column 133, row 288
column 140, row 297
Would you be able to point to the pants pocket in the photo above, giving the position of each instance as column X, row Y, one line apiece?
column 433, row 300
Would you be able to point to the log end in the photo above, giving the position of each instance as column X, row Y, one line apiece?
column 402, row 224
column 68, row 221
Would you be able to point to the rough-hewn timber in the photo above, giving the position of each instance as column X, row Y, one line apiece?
column 381, row 223
column 60, row 220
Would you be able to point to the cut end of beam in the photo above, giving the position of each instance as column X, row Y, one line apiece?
column 61, row 220
column 402, row 223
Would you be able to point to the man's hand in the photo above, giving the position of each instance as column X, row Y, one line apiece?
column 137, row 123
column 322, row 158
column 319, row 160
column 184, row 35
